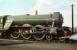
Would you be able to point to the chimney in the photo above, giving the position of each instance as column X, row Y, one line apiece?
column 36, row 13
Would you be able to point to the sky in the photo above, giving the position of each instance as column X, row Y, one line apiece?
column 22, row 7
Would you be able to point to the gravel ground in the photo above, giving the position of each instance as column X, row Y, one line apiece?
column 33, row 45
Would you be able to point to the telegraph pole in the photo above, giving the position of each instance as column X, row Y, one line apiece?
column 72, row 19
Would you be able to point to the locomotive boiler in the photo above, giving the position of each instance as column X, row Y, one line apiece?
column 31, row 26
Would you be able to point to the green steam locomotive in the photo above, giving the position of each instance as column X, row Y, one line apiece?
column 31, row 26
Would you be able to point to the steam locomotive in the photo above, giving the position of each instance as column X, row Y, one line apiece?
column 31, row 26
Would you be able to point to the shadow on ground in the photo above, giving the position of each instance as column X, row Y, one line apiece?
column 5, row 42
